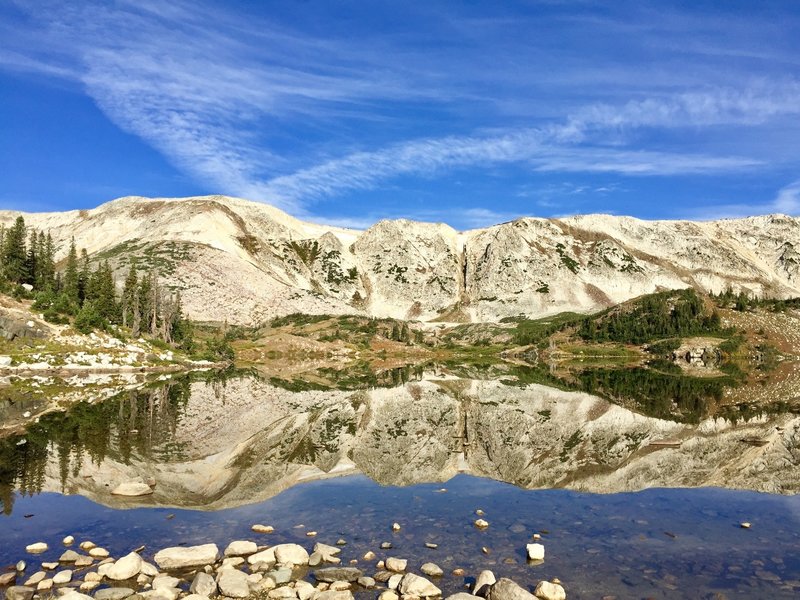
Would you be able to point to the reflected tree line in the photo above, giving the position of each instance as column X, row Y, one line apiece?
column 138, row 423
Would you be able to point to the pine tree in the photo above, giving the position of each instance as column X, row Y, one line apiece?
column 128, row 296
column 14, row 255
column 71, row 276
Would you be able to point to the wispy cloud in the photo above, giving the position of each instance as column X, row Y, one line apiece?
column 220, row 94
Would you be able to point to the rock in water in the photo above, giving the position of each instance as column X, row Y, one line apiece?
column 69, row 556
column 258, row 528
column 398, row 565
column 550, row 591
column 331, row 574
column 36, row 548
column 291, row 553
column 328, row 553
column 535, row 552
column 432, row 570
column 75, row 596
column 19, row 592
column 505, row 589
column 68, row 541
column 414, row 585
column 233, row 583
column 114, row 593
column 203, row 584
column 335, row 595
column 64, row 576
column 126, row 567
column 483, row 582
column 241, row 548
column 190, row 556
column 7, row 579
column 132, row 488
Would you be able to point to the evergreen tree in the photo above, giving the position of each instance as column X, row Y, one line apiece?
column 14, row 254
column 128, row 297
column 71, row 276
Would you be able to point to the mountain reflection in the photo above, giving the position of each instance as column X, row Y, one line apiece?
column 219, row 440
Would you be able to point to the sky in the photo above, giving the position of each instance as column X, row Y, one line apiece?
column 348, row 112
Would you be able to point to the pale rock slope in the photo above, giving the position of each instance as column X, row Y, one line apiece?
column 246, row 262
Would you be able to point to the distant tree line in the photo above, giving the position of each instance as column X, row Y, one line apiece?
column 743, row 302
column 88, row 297
column 671, row 314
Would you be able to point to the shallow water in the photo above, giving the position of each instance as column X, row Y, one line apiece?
column 644, row 544
column 349, row 463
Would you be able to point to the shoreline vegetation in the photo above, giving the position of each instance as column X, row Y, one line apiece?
column 670, row 343
column 247, row 570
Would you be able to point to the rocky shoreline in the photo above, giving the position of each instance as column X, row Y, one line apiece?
column 247, row 570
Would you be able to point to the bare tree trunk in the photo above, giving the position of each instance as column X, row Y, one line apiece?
column 136, row 326
column 154, row 322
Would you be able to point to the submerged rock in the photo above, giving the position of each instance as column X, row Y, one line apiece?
column 331, row 574
column 114, row 593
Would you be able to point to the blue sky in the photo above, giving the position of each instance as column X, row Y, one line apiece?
column 469, row 113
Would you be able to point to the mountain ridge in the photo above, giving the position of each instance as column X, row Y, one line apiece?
column 246, row 262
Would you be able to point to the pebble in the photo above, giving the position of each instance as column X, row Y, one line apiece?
column 262, row 528
column 68, row 541
column 481, row 524
column 44, row 585
column 366, row 582
column 745, row 525
column 88, row 586
column 21, row 565
column 479, row 512
column 431, row 545
column 98, row 552
column 485, row 550
column 341, row 542
column 49, row 566
column 370, row 555
column 388, row 595
column 386, row 545
column 87, row 545
column 458, row 572
column 7, row 579
column 395, row 526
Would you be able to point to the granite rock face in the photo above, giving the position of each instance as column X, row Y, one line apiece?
column 264, row 263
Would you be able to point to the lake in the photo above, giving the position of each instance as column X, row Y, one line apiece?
column 642, row 496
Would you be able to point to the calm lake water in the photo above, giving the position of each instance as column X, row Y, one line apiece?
column 629, row 503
